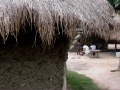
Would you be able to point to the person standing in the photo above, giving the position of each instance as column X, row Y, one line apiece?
column 78, row 47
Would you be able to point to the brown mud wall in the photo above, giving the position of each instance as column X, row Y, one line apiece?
column 27, row 68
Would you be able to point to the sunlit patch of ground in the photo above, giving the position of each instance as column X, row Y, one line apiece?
column 97, row 68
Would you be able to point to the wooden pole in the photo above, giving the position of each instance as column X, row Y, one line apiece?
column 115, row 46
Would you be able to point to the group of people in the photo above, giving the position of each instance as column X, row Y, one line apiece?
column 81, row 50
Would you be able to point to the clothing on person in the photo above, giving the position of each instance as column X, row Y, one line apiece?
column 93, row 47
column 78, row 47
column 86, row 49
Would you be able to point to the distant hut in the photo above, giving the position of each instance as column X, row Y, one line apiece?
column 100, row 42
column 114, row 36
column 35, row 38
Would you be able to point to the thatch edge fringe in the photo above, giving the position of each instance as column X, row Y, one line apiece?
column 45, row 13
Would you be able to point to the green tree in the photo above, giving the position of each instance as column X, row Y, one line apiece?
column 114, row 2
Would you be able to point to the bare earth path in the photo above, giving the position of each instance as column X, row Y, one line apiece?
column 97, row 68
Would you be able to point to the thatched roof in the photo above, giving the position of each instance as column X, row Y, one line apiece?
column 50, row 15
column 115, row 35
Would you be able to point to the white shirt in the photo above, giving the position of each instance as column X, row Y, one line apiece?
column 93, row 47
column 86, row 49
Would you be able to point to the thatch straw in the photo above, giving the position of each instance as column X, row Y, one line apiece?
column 48, row 15
column 115, row 35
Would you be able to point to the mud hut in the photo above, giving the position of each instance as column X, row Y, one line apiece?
column 34, row 39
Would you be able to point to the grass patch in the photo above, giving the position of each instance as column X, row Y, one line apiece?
column 80, row 82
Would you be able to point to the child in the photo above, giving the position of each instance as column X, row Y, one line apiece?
column 78, row 47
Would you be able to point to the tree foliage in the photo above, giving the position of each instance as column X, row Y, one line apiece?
column 114, row 2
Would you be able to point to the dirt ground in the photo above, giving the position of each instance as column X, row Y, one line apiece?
column 99, row 69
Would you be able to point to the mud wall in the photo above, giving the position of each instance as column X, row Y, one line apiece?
column 27, row 68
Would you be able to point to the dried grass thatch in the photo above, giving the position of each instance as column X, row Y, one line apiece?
column 50, row 15
column 115, row 35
